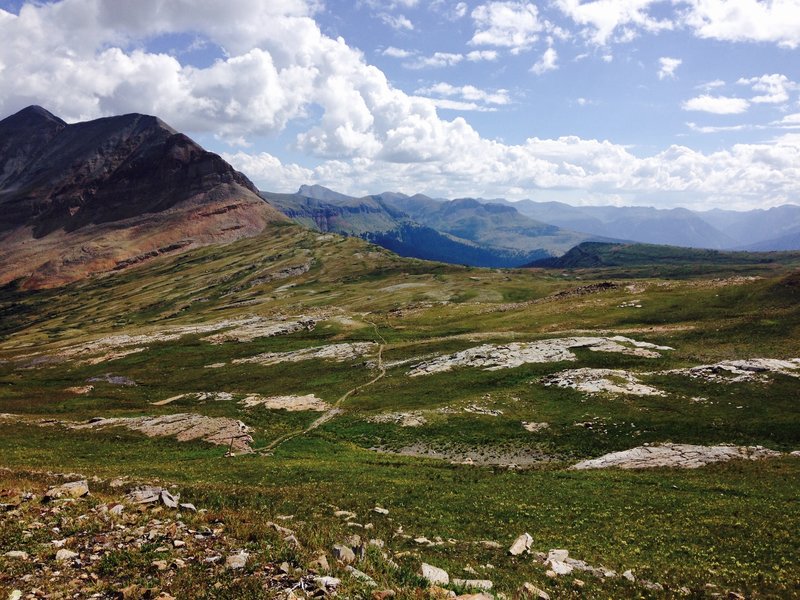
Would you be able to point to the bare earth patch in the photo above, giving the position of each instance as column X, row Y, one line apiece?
column 491, row 357
column 596, row 381
column 337, row 352
column 184, row 427
column 290, row 403
column 682, row 456
column 737, row 371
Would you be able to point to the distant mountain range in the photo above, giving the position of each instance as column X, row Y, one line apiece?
column 462, row 231
column 102, row 195
column 771, row 229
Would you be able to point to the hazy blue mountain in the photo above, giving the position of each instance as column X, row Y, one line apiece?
column 377, row 220
column 769, row 229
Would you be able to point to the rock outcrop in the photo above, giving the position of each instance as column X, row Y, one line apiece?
column 682, row 456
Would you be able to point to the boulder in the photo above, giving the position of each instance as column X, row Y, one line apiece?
column 237, row 561
column 16, row 555
column 521, row 544
column 65, row 555
column 344, row 554
column 74, row 489
column 434, row 575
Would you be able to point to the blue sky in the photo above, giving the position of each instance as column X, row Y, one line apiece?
column 683, row 103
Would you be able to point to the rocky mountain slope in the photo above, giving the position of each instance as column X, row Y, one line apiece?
column 85, row 198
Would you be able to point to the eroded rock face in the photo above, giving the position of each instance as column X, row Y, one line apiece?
column 84, row 198
column 596, row 381
column 185, row 427
column 337, row 352
column 737, row 371
column 682, row 456
column 491, row 357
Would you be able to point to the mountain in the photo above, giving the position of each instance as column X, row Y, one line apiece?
column 374, row 218
column 775, row 228
column 675, row 227
column 462, row 231
column 84, row 198
column 486, row 223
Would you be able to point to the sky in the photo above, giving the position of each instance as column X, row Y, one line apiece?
column 692, row 103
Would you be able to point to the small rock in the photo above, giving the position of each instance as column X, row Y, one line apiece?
column 422, row 541
column 161, row 565
column 521, row 544
column 560, row 568
column 321, row 564
column 16, row 555
column 383, row 594
column 237, row 561
column 15, row 595
column 528, row 591
column 380, row 511
column 629, row 575
column 561, row 555
column 361, row 576
column 481, row 596
column 489, row 544
column 433, row 574
column 64, row 555
column 116, row 509
column 344, row 554
column 74, row 489
column 735, row 596
column 291, row 540
column 578, row 583
column 345, row 514
column 551, row 574
column 330, row 583
column 188, row 506
column 178, row 543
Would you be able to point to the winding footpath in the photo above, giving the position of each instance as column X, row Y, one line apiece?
column 335, row 408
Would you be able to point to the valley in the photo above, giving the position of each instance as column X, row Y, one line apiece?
column 290, row 384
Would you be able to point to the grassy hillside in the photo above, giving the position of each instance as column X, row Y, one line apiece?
column 171, row 338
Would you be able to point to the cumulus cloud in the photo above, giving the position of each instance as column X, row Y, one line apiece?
column 613, row 20
column 776, row 21
column 436, row 60
column 667, row 67
column 359, row 133
column 774, row 88
column 546, row 63
column 714, row 128
column 479, row 55
column 719, row 105
column 509, row 24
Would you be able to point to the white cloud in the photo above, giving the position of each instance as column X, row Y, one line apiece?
column 268, row 170
column 776, row 21
column 460, row 10
column 603, row 19
column 509, row 24
column 479, row 55
column 436, row 60
column 667, row 67
column 546, row 63
column 720, row 105
column 714, row 129
column 461, row 105
column 774, row 88
column 467, row 92
column 396, row 21
column 397, row 52
column 789, row 122
column 711, row 85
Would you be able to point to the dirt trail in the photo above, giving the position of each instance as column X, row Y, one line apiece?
column 335, row 407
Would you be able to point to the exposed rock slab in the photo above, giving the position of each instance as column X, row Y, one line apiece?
column 737, row 371
column 337, row 352
column 491, row 357
column 261, row 328
column 597, row 381
column 682, row 456
column 185, row 427
column 290, row 403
